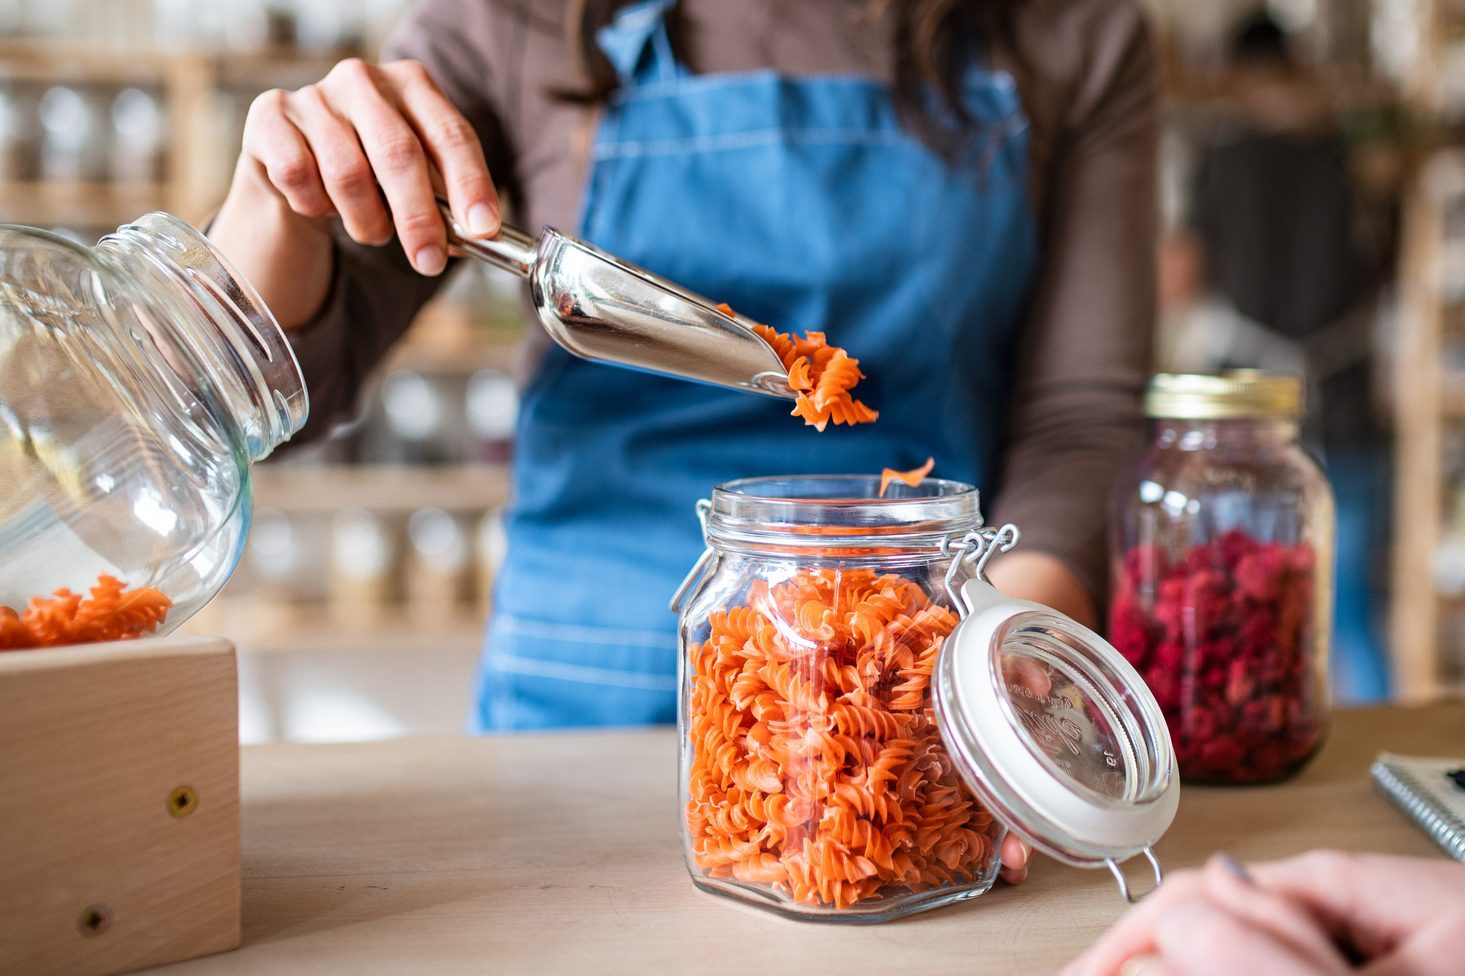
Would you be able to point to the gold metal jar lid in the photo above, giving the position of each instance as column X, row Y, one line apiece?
column 1220, row 396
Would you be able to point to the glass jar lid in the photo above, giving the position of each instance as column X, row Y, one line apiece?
column 1236, row 393
column 1050, row 727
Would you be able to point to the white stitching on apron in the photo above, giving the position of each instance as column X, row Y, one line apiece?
column 582, row 634
column 580, row 673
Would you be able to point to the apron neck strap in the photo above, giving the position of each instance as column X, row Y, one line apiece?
column 638, row 45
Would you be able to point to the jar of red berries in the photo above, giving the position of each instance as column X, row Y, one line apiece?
column 1223, row 563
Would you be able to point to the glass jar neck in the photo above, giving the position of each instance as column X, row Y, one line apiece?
column 215, row 335
column 839, row 515
column 1234, row 432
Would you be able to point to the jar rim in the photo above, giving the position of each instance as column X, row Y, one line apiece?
column 839, row 512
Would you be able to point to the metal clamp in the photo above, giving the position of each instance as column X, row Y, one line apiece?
column 1129, row 896
column 978, row 547
column 699, row 568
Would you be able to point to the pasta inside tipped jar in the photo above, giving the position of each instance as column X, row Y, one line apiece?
column 814, row 776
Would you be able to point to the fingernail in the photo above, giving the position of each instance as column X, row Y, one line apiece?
column 430, row 260
column 482, row 219
column 1235, row 869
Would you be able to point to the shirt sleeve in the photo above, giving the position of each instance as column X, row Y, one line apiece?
column 1074, row 420
column 376, row 293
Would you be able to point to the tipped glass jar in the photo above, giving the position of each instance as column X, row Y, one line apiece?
column 142, row 378
column 1223, row 575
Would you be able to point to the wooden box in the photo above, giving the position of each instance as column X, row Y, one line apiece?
column 119, row 805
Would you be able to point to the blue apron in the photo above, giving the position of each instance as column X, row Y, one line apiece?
column 801, row 202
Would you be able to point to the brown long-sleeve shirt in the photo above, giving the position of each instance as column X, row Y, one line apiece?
column 1085, row 73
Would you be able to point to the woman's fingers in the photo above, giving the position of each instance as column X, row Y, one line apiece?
column 397, row 158
column 451, row 145
column 366, row 143
column 343, row 167
column 1016, row 855
column 283, row 152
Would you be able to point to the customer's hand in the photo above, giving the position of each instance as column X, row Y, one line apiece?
column 365, row 132
column 1313, row 915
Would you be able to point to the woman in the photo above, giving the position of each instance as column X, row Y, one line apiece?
column 984, row 247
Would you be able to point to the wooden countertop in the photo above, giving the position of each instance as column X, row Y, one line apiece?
column 559, row 854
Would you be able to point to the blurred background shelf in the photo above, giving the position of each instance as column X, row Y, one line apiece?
column 79, row 203
column 387, row 488
column 294, row 627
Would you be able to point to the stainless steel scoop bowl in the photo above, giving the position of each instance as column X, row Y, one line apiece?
column 599, row 307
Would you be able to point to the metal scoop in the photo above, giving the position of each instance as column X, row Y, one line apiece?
column 601, row 308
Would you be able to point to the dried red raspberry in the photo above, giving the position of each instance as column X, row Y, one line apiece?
column 1223, row 633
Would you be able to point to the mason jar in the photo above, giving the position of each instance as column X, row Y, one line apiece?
column 863, row 717
column 1223, row 575
column 142, row 377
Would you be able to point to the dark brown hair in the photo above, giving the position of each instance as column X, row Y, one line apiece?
column 934, row 42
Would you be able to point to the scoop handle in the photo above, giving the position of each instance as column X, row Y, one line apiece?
column 510, row 249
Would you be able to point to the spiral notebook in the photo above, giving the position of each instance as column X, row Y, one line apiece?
column 1425, row 790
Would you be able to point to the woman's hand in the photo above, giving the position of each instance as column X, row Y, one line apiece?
column 1314, row 915
column 1016, row 855
column 367, row 143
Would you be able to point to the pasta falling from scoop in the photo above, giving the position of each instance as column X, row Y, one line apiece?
column 910, row 478
column 822, row 375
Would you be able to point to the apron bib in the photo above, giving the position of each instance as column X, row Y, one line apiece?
column 801, row 202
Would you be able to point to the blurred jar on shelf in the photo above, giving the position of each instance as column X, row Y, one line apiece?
column 437, row 567
column 364, row 553
column 1223, row 543
column 20, row 132
column 490, row 543
column 492, row 408
column 139, row 128
column 74, row 141
column 411, row 422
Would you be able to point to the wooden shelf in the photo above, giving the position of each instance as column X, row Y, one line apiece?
column 1428, row 403
column 51, row 202
column 432, row 359
column 261, row 627
column 50, row 63
column 44, row 61
column 310, row 488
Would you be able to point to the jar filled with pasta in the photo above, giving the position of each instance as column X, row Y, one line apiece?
column 863, row 717
column 142, row 377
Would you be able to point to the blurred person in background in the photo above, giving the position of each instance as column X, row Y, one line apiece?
column 1273, row 269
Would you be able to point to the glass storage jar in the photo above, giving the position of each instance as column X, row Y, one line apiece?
column 1223, row 543
column 863, row 717
column 141, row 378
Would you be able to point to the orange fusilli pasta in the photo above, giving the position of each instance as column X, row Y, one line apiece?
column 109, row 612
column 822, row 375
column 816, row 764
column 910, row 478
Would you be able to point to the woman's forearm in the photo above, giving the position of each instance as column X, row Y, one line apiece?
column 1044, row 579
column 287, row 257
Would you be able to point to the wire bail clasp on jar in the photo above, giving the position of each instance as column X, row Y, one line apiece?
column 701, row 566
column 976, row 547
